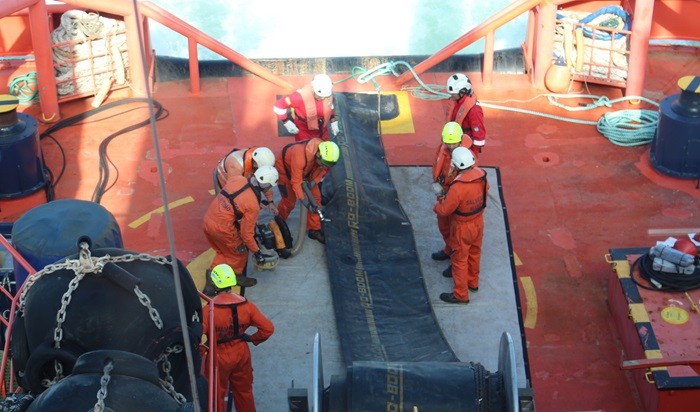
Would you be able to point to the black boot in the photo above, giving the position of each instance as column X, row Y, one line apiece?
column 317, row 235
column 447, row 272
column 440, row 255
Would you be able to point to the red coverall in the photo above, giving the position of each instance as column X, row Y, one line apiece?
column 470, row 116
column 232, row 353
column 464, row 204
column 239, row 162
column 229, row 235
column 310, row 115
column 296, row 163
column 444, row 174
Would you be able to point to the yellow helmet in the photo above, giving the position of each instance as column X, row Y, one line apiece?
column 452, row 133
column 223, row 276
column 330, row 153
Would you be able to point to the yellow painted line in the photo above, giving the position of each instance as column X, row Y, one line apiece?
column 638, row 313
column 655, row 354
column 689, row 83
column 622, row 268
column 403, row 123
column 172, row 205
column 517, row 260
column 531, row 302
column 198, row 267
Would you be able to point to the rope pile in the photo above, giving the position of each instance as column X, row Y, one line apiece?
column 83, row 50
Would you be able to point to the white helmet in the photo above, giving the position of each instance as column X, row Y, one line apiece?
column 459, row 83
column 267, row 175
column 322, row 85
column 462, row 158
column 264, row 157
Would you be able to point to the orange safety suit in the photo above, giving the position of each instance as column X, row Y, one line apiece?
column 233, row 315
column 443, row 173
column 297, row 162
column 229, row 223
column 309, row 114
column 239, row 162
column 464, row 204
column 470, row 116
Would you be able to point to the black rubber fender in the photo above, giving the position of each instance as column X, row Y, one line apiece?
column 19, row 348
column 124, row 363
column 41, row 363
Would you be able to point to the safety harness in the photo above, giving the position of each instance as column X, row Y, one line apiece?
column 284, row 156
column 234, row 320
column 481, row 179
column 232, row 196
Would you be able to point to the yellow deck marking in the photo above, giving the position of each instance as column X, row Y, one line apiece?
column 172, row 205
column 638, row 313
column 531, row 302
column 403, row 123
column 198, row 267
column 621, row 268
column 517, row 260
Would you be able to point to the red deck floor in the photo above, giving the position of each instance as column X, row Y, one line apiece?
column 571, row 196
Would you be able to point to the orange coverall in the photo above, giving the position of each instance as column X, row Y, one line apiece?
column 239, row 162
column 444, row 174
column 232, row 236
column 296, row 163
column 311, row 116
column 232, row 353
column 464, row 205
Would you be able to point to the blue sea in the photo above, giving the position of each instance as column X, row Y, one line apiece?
column 322, row 28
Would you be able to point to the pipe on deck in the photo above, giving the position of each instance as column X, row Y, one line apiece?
column 639, row 47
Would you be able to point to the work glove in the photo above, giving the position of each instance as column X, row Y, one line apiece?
column 437, row 189
column 291, row 127
column 245, row 337
column 335, row 128
column 259, row 257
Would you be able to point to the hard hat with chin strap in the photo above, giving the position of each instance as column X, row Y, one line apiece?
column 462, row 158
column 267, row 176
column 223, row 276
column 322, row 85
column 459, row 83
column 452, row 133
column 330, row 153
column 264, row 157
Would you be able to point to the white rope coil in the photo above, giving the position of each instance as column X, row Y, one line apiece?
column 86, row 46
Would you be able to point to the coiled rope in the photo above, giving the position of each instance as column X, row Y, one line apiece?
column 25, row 88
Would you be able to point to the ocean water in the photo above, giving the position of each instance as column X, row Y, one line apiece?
column 326, row 28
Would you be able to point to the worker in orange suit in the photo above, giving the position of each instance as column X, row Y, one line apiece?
column 229, row 223
column 443, row 174
column 244, row 162
column 464, row 204
column 233, row 315
column 307, row 112
column 462, row 108
column 305, row 161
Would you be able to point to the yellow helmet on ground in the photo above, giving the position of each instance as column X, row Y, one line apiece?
column 330, row 153
column 452, row 133
column 223, row 276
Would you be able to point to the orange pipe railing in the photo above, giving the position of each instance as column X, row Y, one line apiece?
column 510, row 12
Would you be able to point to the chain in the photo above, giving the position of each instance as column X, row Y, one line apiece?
column 145, row 301
column 102, row 392
column 65, row 301
column 167, row 383
column 58, row 368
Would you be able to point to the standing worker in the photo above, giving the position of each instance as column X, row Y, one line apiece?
column 443, row 174
column 229, row 223
column 464, row 204
column 305, row 161
column 233, row 315
column 462, row 108
column 307, row 112
column 244, row 162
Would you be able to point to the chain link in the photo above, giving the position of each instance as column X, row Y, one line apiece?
column 153, row 312
column 167, row 383
column 102, row 392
